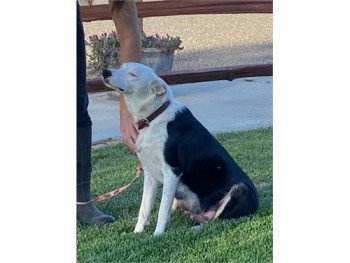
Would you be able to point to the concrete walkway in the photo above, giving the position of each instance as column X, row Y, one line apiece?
column 221, row 106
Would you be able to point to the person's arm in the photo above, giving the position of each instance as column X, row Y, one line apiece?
column 124, row 14
column 125, row 18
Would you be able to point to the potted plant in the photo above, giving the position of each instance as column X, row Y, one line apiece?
column 157, row 51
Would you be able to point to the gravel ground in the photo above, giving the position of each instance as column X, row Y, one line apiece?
column 209, row 40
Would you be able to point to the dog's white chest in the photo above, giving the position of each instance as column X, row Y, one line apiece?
column 151, row 150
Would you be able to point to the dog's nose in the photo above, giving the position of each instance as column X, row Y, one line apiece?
column 106, row 73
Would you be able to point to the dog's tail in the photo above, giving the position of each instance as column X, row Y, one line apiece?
column 241, row 200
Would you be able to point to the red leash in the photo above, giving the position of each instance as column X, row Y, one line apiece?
column 115, row 192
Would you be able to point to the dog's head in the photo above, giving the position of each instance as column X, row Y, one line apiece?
column 143, row 90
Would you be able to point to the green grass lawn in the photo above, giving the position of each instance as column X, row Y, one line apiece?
column 248, row 239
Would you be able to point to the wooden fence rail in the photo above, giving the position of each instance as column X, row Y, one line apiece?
column 192, row 76
column 188, row 7
column 182, row 7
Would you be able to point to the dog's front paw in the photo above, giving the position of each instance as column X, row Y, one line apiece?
column 139, row 228
column 157, row 233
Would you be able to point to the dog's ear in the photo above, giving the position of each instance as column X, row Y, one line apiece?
column 158, row 87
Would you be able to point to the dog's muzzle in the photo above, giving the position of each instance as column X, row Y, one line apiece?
column 106, row 73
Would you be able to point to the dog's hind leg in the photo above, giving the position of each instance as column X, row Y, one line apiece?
column 169, row 188
column 149, row 194
column 242, row 200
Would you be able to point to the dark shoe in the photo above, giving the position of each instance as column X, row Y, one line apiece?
column 91, row 215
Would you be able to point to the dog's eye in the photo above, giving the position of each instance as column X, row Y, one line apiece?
column 132, row 74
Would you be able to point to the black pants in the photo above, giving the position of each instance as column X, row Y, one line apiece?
column 83, row 118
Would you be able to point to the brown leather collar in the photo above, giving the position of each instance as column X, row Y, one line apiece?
column 145, row 122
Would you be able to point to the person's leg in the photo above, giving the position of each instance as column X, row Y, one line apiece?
column 88, row 213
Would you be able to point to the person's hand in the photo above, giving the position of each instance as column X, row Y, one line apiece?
column 127, row 127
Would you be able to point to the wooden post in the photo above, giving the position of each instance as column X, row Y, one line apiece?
column 141, row 21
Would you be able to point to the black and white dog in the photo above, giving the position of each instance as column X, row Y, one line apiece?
column 175, row 149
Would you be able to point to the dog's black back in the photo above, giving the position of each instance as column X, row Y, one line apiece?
column 207, row 168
